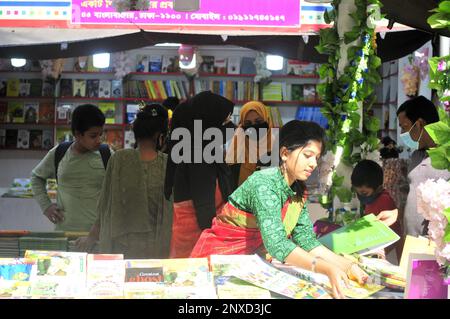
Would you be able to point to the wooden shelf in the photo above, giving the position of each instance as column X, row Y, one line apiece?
column 29, row 124
column 27, row 98
column 157, row 73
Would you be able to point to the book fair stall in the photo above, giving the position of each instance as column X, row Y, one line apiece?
column 353, row 74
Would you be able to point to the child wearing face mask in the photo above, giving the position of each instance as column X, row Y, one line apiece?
column 367, row 181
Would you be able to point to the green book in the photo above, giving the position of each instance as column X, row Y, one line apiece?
column 364, row 236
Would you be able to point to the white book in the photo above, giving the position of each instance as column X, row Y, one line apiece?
column 105, row 278
column 129, row 139
column 23, row 139
column 47, row 139
column 104, row 89
column 234, row 65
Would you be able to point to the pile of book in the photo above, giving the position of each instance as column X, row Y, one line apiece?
column 156, row 89
column 232, row 90
column 51, row 241
column 9, row 242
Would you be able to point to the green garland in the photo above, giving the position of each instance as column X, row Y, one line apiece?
column 342, row 95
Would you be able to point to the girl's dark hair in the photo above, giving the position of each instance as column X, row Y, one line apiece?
column 86, row 116
column 295, row 134
column 367, row 173
column 152, row 119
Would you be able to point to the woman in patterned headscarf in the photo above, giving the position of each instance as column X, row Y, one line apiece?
column 252, row 139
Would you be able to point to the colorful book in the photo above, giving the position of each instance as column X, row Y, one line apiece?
column 144, row 279
column 141, row 63
column 165, row 64
column 63, row 135
column 46, row 113
column 296, row 92
column 109, row 110
column 364, row 236
column 47, row 139
column 220, row 65
column 36, row 139
column 155, row 63
column 31, row 112
column 63, row 112
column 15, row 112
column 23, row 139
column 13, row 87
column 106, row 275
column 92, row 88
column 79, row 88
column 115, row 139
column 15, row 278
column 104, row 88
column 57, row 274
column 116, row 88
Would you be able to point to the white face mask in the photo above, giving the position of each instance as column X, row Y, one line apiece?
column 408, row 140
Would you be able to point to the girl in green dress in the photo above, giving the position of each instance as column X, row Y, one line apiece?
column 268, row 213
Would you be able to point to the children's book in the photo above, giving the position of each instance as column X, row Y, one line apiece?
column 109, row 110
column 79, row 88
column 15, row 278
column 46, row 113
column 364, row 236
column 63, row 112
column 144, row 279
column 24, row 88
column 92, row 88
column 234, row 65
column 31, row 112
column 47, row 139
column 116, row 88
column 57, row 274
column 106, row 274
column 66, row 88
column 15, row 112
column 48, row 88
column 13, row 87
column 23, row 139
column 264, row 275
column 105, row 88
column 36, row 139
column 273, row 91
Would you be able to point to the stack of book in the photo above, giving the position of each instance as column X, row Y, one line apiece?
column 9, row 243
column 42, row 242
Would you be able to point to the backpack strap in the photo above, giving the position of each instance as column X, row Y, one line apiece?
column 61, row 149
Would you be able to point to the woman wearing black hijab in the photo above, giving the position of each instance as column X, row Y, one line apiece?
column 202, row 187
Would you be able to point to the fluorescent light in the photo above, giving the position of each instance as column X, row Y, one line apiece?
column 191, row 65
column 18, row 63
column 274, row 62
column 101, row 60
column 167, row 44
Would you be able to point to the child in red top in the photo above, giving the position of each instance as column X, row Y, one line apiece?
column 367, row 181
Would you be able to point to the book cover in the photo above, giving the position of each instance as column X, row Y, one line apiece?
column 207, row 66
column 57, row 274
column 220, row 65
column 155, row 63
column 106, row 275
column 142, row 63
column 31, row 111
column 165, row 64
column 13, row 87
column 296, row 92
column 15, row 112
column 2, row 138
column 234, row 65
column 424, row 279
column 116, row 88
column 109, row 110
column 46, row 113
column 273, row 92
column 3, row 111
column 248, row 65
column 24, row 88
column 66, row 87
column 129, row 139
column 309, row 92
column 11, row 138
column 15, row 278
column 63, row 135
column 364, row 236
column 132, row 110
column 79, row 88
column 23, row 139
column 105, row 88
column 144, row 279
column 3, row 87
column 92, row 88
column 63, row 112
column 417, row 245
column 48, row 88
column 36, row 139
column 90, row 65
column 47, row 139
column 115, row 139
column 35, row 87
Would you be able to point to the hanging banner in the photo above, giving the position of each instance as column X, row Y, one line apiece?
column 255, row 13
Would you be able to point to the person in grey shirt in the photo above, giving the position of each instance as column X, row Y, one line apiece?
column 413, row 116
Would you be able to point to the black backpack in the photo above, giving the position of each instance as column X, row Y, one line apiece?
column 64, row 146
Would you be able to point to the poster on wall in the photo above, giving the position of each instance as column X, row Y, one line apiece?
column 413, row 80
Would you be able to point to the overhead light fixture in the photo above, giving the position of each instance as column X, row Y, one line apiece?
column 167, row 44
column 186, row 5
column 274, row 62
column 18, row 63
column 101, row 60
